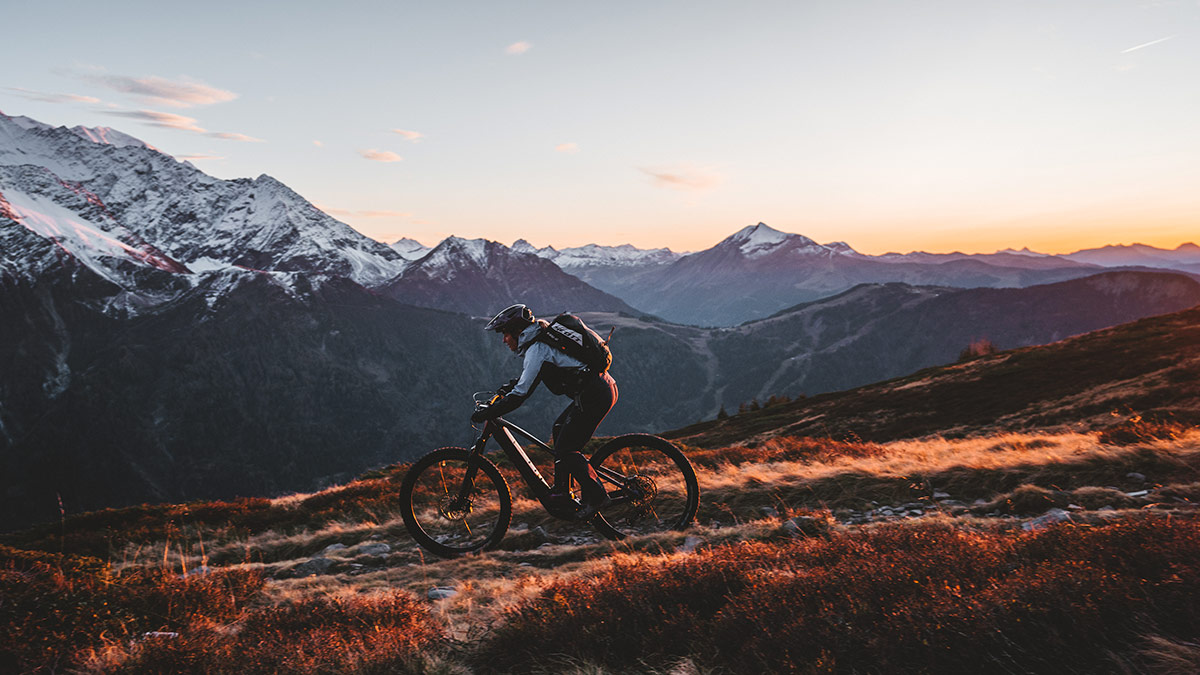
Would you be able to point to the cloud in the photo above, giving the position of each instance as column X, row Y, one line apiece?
column 161, row 119
column 380, row 155
column 685, row 177
column 161, row 91
column 234, row 137
column 567, row 147
column 180, row 122
column 52, row 98
column 1148, row 44
column 518, row 48
column 319, row 144
column 409, row 135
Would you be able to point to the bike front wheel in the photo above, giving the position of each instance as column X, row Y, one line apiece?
column 454, row 504
column 651, row 484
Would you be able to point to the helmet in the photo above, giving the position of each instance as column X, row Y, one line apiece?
column 511, row 319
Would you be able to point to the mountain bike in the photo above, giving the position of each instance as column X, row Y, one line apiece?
column 455, row 501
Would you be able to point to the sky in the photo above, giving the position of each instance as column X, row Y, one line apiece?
column 891, row 125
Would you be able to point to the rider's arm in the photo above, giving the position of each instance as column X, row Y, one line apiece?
column 535, row 356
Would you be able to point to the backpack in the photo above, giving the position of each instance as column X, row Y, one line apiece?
column 569, row 334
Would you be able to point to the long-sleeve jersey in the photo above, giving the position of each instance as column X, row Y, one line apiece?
column 540, row 361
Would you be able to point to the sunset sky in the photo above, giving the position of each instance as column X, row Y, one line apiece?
column 890, row 125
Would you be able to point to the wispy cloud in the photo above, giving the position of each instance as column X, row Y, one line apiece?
column 1148, row 44
column 409, row 135
column 223, row 135
column 685, row 177
column 161, row 119
column 567, row 147
column 319, row 144
column 52, row 98
column 180, row 122
column 380, row 155
column 183, row 93
column 518, row 48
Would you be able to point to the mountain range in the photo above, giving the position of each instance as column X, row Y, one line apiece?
column 167, row 335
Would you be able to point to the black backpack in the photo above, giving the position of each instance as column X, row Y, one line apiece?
column 569, row 334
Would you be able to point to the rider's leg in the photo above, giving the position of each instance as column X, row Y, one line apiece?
column 574, row 428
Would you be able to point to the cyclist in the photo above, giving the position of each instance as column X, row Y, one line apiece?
column 592, row 396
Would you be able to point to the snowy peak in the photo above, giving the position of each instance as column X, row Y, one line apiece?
column 760, row 240
column 598, row 256
column 410, row 249
column 110, row 200
column 109, row 136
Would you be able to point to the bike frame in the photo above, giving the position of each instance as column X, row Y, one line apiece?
column 502, row 430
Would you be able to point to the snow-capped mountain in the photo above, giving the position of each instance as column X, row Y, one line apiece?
column 410, row 249
column 595, row 255
column 480, row 277
column 759, row 270
column 110, row 200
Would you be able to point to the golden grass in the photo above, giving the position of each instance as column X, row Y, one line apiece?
column 746, row 497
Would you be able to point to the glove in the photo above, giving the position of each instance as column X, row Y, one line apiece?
column 480, row 414
column 506, row 388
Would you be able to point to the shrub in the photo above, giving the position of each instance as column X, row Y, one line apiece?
column 890, row 598
column 55, row 607
column 384, row 633
column 1138, row 429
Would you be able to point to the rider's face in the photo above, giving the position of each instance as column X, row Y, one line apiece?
column 510, row 339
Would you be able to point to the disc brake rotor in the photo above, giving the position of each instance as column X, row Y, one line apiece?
column 641, row 491
column 451, row 507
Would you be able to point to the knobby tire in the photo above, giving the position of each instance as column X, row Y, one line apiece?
column 445, row 525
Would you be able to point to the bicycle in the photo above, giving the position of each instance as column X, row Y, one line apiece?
column 455, row 501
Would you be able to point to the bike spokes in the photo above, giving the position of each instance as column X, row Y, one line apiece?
column 458, row 504
column 652, row 485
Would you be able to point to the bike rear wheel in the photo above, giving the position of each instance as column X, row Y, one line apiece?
column 651, row 483
column 449, row 514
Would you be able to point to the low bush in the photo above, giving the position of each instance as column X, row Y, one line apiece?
column 385, row 633
column 782, row 449
column 889, row 598
column 1138, row 429
column 56, row 607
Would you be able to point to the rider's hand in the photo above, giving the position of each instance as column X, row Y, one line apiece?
column 480, row 414
column 506, row 388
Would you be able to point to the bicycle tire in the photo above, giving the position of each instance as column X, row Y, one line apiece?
column 442, row 524
column 660, row 491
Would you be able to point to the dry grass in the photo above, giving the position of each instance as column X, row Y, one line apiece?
column 759, row 497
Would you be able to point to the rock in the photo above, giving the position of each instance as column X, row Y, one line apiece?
column 1110, row 507
column 1137, row 493
column 689, row 544
column 333, row 547
column 913, row 505
column 1048, row 519
column 1136, row 477
column 941, row 495
column 806, row 526
column 312, row 567
column 378, row 548
column 199, row 571
column 441, row 593
column 1074, row 507
column 769, row 512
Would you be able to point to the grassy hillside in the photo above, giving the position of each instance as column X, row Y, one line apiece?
column 1019, row 542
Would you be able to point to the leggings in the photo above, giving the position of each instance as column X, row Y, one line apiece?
column 574, row 428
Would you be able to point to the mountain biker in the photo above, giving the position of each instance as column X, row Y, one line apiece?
column 592, row 396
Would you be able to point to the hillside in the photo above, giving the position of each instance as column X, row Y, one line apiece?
column 977, row 548
column 1151, row 367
